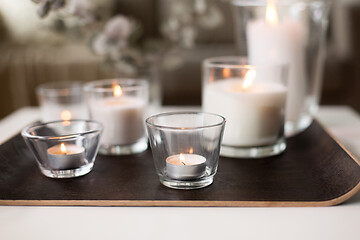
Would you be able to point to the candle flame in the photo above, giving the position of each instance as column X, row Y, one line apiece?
column 62, row 148
column 182, row 159
column 271, row 13
column 226, row 73
column 191, row 150
column 117, row 90
column 212, row 74
column 65, row 115
column 248, row 79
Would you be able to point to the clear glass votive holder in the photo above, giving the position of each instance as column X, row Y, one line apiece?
column 185, row 147
column 120, row 105
column 64, row 149
column 289, row 32
column 252, row 99
column 61, row 101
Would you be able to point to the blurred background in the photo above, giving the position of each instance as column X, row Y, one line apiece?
column 162, row 40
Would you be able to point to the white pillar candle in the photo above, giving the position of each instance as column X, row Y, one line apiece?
column 254, row 117
column 185, row 166
column 65, row 156
column 273, row 42
column 122, row 117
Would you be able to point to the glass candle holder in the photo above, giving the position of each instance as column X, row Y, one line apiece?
column 119, row 104
column 287, row 32
column 252, row 99
column 61, row 101
column 185, row 147
column 64, row 149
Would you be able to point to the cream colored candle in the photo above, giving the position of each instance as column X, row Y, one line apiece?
column 254, row 112
column 271, row 41
column 122, row 117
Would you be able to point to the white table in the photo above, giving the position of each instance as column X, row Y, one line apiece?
column 339, row 222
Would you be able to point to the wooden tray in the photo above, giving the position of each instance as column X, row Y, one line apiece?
column 314, row 171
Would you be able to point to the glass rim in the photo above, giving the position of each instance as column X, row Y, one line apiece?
column 209, row 62
column 25, row 132
column 55, row 89
column 263, row 3
column 126, row 84
column 221, row 123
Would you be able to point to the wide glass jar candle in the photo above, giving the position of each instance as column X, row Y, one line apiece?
column 288, row 32
column 252, row 99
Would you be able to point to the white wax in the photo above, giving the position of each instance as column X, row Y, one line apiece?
column 254, row 117
column 191, row 167
column 73, row 157
column 122, row 117
column 282, row 44
column 52, row 112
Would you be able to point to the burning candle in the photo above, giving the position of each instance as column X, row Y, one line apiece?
column 64, row 157
column 185, row 166
column 272, row 41
column 65, row 115
column 254, row 110
column 122, row 117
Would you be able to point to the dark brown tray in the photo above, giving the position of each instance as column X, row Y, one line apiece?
column 314, row 171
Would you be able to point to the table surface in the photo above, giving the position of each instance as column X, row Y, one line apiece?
column 339, row 222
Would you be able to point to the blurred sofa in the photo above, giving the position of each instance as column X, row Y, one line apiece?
column 24, row 65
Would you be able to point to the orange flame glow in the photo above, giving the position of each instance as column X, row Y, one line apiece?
column 248, row 80
column 117, row 90
column 182, row 159
column 226, row 73
column 65, row 115
column 191, row 150
column 63, row 148
column 271, row 13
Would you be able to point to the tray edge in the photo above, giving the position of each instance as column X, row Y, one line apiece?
column 176, row 203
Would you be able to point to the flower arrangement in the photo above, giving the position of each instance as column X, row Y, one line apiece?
column 118, row 38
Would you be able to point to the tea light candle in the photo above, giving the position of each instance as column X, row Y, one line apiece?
column 271, row 41
column 122, row 117
column 185, row 166
column 66, row 156
column 254, row 111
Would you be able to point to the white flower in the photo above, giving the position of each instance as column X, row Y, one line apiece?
column 200, row 6
column 211, row 19
column 118, row 28
column 99, row 44
column 188, row 36
column 125, row 69
column 81, row 8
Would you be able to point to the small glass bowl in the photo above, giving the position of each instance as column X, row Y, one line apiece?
column 64, row 149
column 186, row 147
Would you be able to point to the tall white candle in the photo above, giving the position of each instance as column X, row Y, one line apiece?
column 122, row 117
column 254, row 117
column 273, row 42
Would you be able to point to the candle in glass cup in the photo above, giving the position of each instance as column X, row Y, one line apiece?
column 122, row 117
column 254, row 110
column 281, row 42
